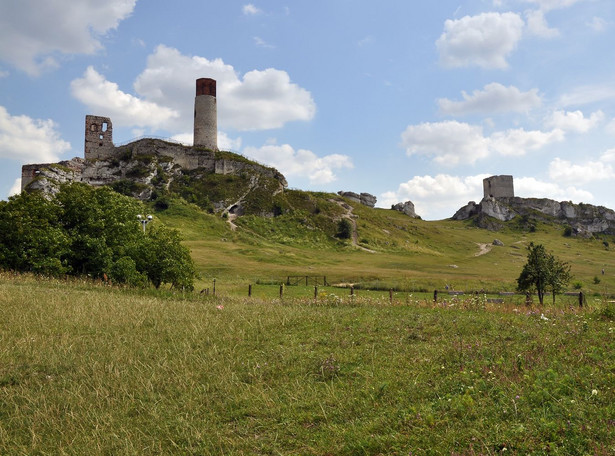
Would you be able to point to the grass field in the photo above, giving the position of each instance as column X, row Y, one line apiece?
column 89, row 369
column 404, row 254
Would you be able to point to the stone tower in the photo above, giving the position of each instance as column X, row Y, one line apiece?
column 98, row 137
column 205, row 114
column 498, row 187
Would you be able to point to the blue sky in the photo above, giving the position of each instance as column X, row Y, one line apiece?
column 403, row 99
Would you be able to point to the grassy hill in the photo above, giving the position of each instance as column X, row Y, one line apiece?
column 389, row 249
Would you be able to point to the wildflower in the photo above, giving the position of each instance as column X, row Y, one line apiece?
column 220, row 307
column 594, row 392
column 542, row 317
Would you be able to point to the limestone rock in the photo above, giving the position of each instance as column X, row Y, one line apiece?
column 364, row 198
column 498, row 243
column 407, row 208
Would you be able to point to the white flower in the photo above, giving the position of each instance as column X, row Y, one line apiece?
column 594, row 392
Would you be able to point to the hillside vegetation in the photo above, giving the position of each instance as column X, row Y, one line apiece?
column 387, row 249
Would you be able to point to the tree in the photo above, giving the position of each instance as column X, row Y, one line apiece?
column 344, row 229
column 84, row 230
column 542, row 272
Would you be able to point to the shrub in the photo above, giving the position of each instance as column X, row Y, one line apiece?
column 344, row 229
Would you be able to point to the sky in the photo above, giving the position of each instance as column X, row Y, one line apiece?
column 408, row 100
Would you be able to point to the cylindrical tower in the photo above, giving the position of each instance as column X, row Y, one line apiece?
column 205, row 114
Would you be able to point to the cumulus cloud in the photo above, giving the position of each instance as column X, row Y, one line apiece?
column 16, row 187
column 448, row 142
column 300, row 163
column 452, row 142
column 485, row 40
column 100, row 95
column 250, row 10
column 574, row 121
column 530, row 187
column 590, row 171
column 517, row 142
column 436, row 197
column 548, row 5
column 33, row 33
column 259, row 100
column 494, row 98
column 30, row 140
column 537, row 25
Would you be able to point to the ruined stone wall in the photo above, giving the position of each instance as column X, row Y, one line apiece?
column 98, row 137
column 498, row 187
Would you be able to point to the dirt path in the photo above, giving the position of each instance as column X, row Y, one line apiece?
column 354, row 238
column 483, row 249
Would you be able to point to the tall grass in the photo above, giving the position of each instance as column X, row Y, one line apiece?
column 94, row 370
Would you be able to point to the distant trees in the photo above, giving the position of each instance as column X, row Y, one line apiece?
column 90, row 231
column 543, row 272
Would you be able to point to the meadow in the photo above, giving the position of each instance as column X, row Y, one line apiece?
column 90, row 369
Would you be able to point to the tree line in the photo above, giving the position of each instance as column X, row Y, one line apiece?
column 92, row 232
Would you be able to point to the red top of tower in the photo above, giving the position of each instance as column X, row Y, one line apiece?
column 206, row 86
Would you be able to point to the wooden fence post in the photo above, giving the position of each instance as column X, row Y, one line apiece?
column 435, row 296
column 281, row 291
column 214, row 287
column 391, row 295
column 249, row 290
column 315, row 293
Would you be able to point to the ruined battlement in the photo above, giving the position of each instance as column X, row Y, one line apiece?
column 498, row 187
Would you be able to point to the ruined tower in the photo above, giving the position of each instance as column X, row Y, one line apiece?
column 98, row 137
column 498, row 187
column 205, row 114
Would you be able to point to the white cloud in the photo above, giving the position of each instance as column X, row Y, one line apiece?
column 104, row 97
column 300, row 163
column 574, row 121
column 260, row 100
column 29, row 140
column 597, row 24
column 484, row 40
column 436, row 197
column 548, row 5
column 32, row 33
column 225, row 142
column 590, row 171
column 250, row 10
column 517, row 142
column 449, row 142
column 588, row 94
column 530, row 187
column 494, row 98
column 262, row 43
column 537, row 25
column 16, row 187
column 452, row 142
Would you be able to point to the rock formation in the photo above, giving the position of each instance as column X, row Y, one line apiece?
column 407, row 208
column 364, row 198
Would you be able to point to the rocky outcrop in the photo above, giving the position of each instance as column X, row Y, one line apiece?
column 407, row 208
column 584, row 219
column 146, row 166
column 364, row 198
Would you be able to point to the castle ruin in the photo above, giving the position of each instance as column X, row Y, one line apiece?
column 498, row 187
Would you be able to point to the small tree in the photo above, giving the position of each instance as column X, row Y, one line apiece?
column 344, row 229
column 542, row 272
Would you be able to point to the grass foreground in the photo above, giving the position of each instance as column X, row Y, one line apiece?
column 88, row 369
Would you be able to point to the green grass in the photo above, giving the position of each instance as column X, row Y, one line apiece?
column 405, row 253
column 88, row 369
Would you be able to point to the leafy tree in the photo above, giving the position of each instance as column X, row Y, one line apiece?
column 344, row 229
column 542, row 272
column 90, row 231
column 31, row 238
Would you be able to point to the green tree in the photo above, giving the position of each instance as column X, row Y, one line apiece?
column 542, row 272
column 31, row 238
column 344, row 229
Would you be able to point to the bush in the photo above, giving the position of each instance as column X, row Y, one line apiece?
column 344, row 229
